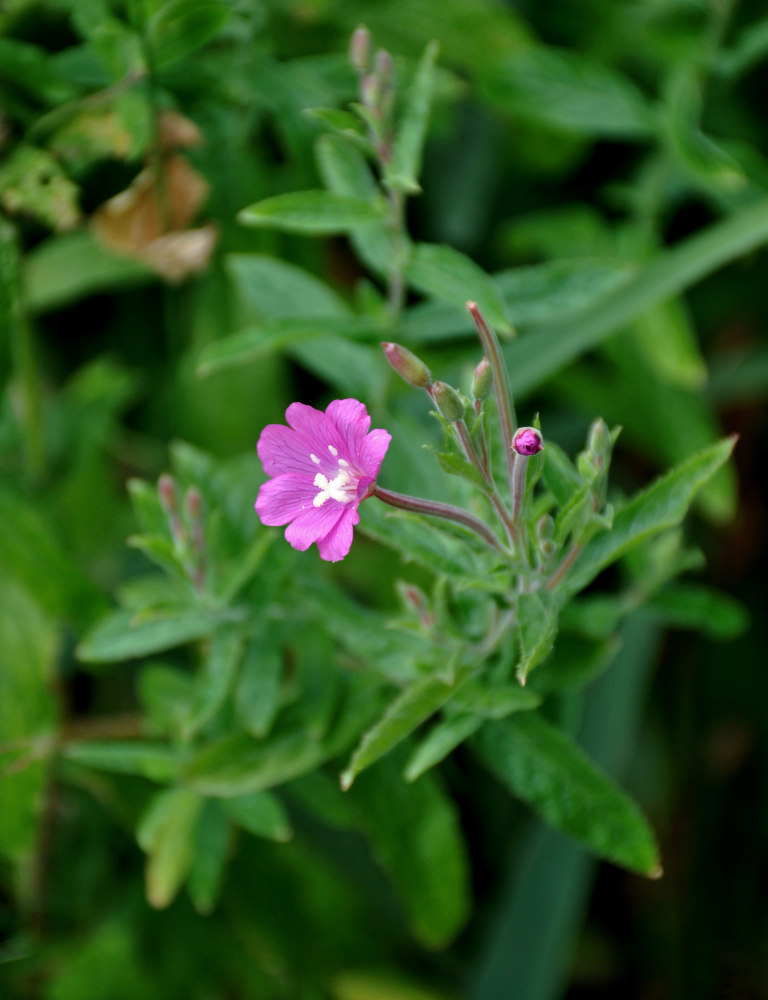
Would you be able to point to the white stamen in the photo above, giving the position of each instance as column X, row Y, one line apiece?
column 332, row 450
column 341, row 488
column 343, row 463
column 315, row 459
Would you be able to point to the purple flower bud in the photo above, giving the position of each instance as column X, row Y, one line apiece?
column 370, row 92
column 407, row 365
column 166, row 491
column 527, row 441
column 384, row 68
column 448, row 401
column 482, row 380
column 360, row 48
column 193, row 503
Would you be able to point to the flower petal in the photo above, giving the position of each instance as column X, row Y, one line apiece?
column 352, row 421
column 373, row 451
column 284, row 498
column 314, row 523
column 282, row 450
column 337, row 543
column 318, row 430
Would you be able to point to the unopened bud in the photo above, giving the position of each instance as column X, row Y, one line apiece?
column 407, row 365
column 599, row 440
column 360, row 49
column 545, row 528
column 166, row 491
column 482, row 380
column 193, row 504
column 384, row 68
column 527, row 441
column 370, row 92
column 448, row 401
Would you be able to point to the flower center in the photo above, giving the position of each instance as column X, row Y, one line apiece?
column 342, row 488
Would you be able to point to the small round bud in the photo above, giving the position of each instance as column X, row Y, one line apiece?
column 527, row 441
column 599, row 440
column 360, row 49
column 447, row 401
column 166, row 491
column 482, row 380
column 407, row 365
column 384, row 68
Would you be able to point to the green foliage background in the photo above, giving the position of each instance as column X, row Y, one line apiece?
column 171, row 823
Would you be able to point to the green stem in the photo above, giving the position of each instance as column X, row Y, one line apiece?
column 434, row 508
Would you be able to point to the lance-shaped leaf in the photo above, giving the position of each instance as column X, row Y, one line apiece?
column 441, row 740
column 180, row 27
column 317, row 212
column 661, row 506
column 167, row 834
column 450, row 275
column 408, row 145
column 216, row 679
column 257, row 694
column 537, row 629
column 414, row 706
column 155, row 761
column 210, row 850
column 260, row 813
column 123, row 636
column 541, row 766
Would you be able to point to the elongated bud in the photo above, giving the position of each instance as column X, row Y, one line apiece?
column 370, row 92
column 360, row 49
column 482, row 380
column 448, row 401
column 193, row 504
column 384, row 68
column 168, row 494
column 407, row 365
column 527, row 441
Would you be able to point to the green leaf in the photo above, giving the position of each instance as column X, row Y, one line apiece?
column 455, row 465
column 317, row 212
column 70, row 267
column 33, row 183
column 216, row 679
column 155, row 761
column 166, row 833
column 441, row 740
column 662, row 505
column 345, row 171
column 260, row 813
column 211, row 849
column 537, row 630
column 162, row 552
column 450, row 275
column 273, row 289
column 121, row 635
column 494, row 701
column 416, row 838
column 688, row 605
column 570, row 92
column 238, row 764
column 180, row 27
column 411, row 130
column 147, row 508
column 537, row 763
column 252, row 344
column 412, row 707
column 257, row 695
column 536, row 356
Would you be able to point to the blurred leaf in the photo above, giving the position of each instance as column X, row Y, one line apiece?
column 345, row 171
column 494, row 701
column 415, row 836
column 537, row 625
column 216, row 678
column 28, row 68
column 238, row 764
column 211, row 848
column 450, row 275
column 260, row 813
column 669, row 343
column 155, row 761
column 441, row 740
column 272, row 289
column 539, row 764
column 662, row 505
column 537, row 355
column 180, row 27
column 687, row 605
column 28, row 648
column 67, row 268
column 316, row 212
column 257, row 694
column 166, row 696
column 404, row 170
column 167, row 835
column 407, row 712
column 576, row 661
column 123, row 636
column 569, row 91
column 251, row 345
column 162, row 552
column 32, row 183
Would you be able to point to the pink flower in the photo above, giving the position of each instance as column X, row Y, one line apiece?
column 322, row 467
column 527, row 441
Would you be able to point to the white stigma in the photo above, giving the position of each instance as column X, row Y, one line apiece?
column 340, row 488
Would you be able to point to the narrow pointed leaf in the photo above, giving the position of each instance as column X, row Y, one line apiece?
column 314, row 212
column 412, row 128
